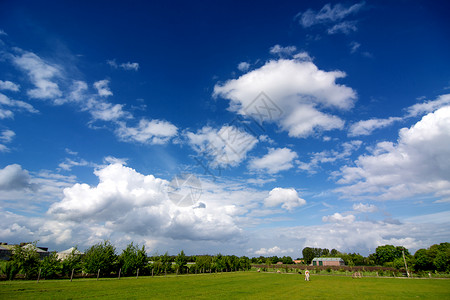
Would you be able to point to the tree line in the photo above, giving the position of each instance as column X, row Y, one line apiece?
column 102, row 259
column 434, row 258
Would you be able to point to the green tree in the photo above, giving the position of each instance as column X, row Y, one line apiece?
column 26, row 259
column 308, row 255
column 72, row 262
column 101, row 256
column 181, row 262
column 132, row 258
column 51, row 266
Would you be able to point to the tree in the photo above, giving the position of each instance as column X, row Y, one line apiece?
column 51, row 266
column 72, row 262
column 132, row 258
column 26, row 259
column 181, row 262
column 101, row 256
column 308, row 255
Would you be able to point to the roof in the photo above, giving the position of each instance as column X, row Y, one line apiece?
column 3, row 248
column 37, row 249
column 69, row 251
column 328, row 259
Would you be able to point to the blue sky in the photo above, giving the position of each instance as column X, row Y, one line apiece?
column 321, row 124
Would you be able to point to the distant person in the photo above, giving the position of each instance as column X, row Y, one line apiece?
column 307, row 275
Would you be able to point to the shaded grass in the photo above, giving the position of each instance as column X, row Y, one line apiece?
column 248, row 285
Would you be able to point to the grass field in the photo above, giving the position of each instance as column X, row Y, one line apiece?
column 249, row 285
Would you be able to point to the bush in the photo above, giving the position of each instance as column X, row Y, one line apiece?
column 101, row 257
column 51, row 266
column 10, row 269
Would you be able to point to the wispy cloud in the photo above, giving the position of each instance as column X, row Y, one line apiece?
column 128, row 66
column 9, row 86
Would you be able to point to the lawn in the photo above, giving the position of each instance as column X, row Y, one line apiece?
column 248, row 285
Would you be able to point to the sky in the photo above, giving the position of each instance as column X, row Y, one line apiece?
column 248, row 128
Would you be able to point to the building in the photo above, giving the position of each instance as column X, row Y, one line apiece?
column 42, row 251
column 328, row 261
column 299, row 261
column 5, row 253
column 66, row 253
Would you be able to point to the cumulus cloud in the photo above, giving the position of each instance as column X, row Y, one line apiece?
column 13, row 177
column 328, row 14
column 151, row 132
column 287, row 198
column 129, row 202
column 9, row 86
column 103, row 88
column 227, row 146
column 276, row 160
column 297, row 88
column 41, row 73
column 366, row 127
column 396, row 170
column 338, row 218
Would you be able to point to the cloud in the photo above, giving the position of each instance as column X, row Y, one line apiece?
column 281, row 51
column 330, row 156
column 366, row 127
column 396, row 171
column 297, row 88
column 428, row 106
column 2, row 32
column 13, row 177
column 273, row 251
column 9, row 86
column 338, row 218
column 151, row 132
column 243, row 66
column 346, row 27
column 6, row 136
column 41, row 73
column 328, row 14
column 274, row 161
column 365, row 208
column 287, row 198
column 16, row 104
column 128, row 202
column 102, row 88
column 227, row 146
column 354, row 47
column 125, row 66
column 68, row 164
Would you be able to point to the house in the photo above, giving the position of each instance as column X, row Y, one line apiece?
column 66, row 253
column 299, row 261
column 42, row 251
column 328, row 261
column 5, row 253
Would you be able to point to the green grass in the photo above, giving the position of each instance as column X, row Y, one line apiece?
column 248, row 285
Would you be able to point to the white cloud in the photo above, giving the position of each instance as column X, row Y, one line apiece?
column 281, row 51
column 330, row 156
column 366, row 127
column 7, row 135
column 273, row 251
column 274, row 161
column 428, row 106
column 126, row 201
column 16, row 104
column 105, row 111
column 151, row 132
column 41, row 73
column 299, row 90
column 227, row 146
column 287, row 198
column 125, row 66
column 103, row 88
column 68, row 164
column 328, row 14
column 395, row 171
column 9, row 86
column 338, row 218
column 6, row 114
column 354, row 46
column 365, row 208
column 2, row 32
column 130, row 66
column 346, row 27
column 13, row 177
column 243, row 66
